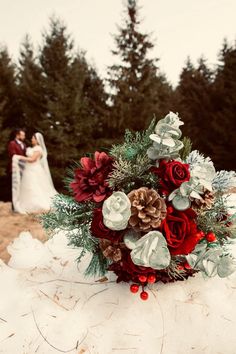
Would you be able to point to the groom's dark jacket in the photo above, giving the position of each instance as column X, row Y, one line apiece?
column 14, row 148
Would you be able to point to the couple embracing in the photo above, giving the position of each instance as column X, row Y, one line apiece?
column 32, row 185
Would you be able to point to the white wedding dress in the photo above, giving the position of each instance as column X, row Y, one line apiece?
column 36, row 189
column 47, row 306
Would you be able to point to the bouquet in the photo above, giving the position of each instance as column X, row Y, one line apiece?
column 149, row 210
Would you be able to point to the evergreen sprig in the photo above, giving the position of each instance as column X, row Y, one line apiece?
column 135, row 144
column 128, row 175
column 66, row 214
column 217, row 220
column 185, row 151
column 224, row 181
column 195, row 157
column 98, row 265
column 82, row 239
column 75, row 220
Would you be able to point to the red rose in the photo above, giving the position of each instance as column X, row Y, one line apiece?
column 99, row 230
column 172, row 174
column 180, row 231
column 90, row 181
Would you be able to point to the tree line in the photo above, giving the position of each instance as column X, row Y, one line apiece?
column 56, row 91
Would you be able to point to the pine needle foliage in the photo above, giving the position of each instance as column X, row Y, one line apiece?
column 224, row 181
column 185, row 151
column 132, row 164
column 98, row 265
column 66, row 214
column 135, row 144
column 75, row 219
column 217, row 220
column 128, row 175
column 83, row 240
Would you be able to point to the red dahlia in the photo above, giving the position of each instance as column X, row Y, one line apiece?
column 90, row 181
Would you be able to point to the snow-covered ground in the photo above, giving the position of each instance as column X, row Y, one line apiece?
column 47, row 306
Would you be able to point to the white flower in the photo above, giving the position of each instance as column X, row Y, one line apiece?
column 150, row 251
column 204, row 173
column 116, row 211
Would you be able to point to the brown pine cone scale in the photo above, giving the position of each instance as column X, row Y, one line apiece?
column 148, row 209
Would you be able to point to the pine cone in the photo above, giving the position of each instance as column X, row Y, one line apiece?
column 205, row 202
column 148, row 209
column 110, row 250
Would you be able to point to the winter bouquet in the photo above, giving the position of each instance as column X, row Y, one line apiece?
column 149, row 210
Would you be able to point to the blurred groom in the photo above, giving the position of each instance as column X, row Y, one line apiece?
column 15, row 147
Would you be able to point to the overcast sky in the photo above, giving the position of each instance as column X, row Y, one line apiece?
column 180, row 27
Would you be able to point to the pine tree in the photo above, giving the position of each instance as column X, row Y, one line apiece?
column 224, row 98
column 62, row 82
column 30, row 82
column 4, row 135
column 10, row 114
column 194, row 104
column 74, row 98
column 136, row 87
column 9, row 104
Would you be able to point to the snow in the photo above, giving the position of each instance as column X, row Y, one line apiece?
column 47, row 306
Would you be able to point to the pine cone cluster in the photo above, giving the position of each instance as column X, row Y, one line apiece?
column 205, row 202
column 110, row 250
column 148, row 209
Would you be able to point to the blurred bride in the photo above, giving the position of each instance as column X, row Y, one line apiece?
column 32, row 185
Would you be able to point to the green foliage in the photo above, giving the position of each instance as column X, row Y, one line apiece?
column 135, row 144
column 138, row 89
column 174, row 271
column 214, row 220
column 98, row 265
column 66, row 214
column 74, row 219
column 83, row 240
column 54, row 90
column 31, row 89
column 132, row 164
column 224, row 103
column 128, row 175
column 224, row 181
column 185, row 151
column 194, row 102
column 10, row 114
column 10, row 111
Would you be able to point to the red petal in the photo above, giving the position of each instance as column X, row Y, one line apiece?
column 87, row 163
column 99, row 198
column 83, row 196
column 101, row 159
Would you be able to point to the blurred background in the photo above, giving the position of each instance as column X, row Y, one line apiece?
column 81, row 72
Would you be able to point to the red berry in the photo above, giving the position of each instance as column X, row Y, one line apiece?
column 144, row 295
column 142, row 278
column 180, row 267
column 170, row 209
column 151, row 278
column 187, row 265
column 211, row 237
column 134, row 288
column 200, row 235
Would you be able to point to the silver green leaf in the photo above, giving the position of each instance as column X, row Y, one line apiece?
column 130, row 239
column 181, row 203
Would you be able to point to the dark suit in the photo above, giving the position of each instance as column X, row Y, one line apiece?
column 14, row 148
